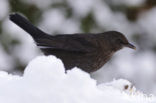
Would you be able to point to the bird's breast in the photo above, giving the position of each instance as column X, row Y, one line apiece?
column 101, row 59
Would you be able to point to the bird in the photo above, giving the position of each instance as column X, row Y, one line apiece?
column 87, row 51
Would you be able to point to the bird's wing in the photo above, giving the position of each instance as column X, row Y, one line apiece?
column 67, row 43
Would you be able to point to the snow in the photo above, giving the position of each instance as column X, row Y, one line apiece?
column 107, row 19
column 4, row 8
column 54, row 20
column 41, row 3
column 147, row 22
column 27, row 45
column 81, row 8
column 138, row 68
column 128, row 2
column 45, row 81
column 5, row 58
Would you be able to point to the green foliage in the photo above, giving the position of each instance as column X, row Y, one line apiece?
column 87, row 23
column 29, row 10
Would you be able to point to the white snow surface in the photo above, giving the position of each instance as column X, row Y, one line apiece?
column 4, row 8
column 45, row 81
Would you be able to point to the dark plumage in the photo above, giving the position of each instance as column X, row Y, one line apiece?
column 87, row 51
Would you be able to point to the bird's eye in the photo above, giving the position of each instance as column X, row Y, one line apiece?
column 119, row 41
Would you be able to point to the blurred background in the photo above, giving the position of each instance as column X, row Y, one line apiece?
column 135, row 18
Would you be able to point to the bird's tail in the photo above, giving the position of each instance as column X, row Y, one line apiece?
column 27, row 26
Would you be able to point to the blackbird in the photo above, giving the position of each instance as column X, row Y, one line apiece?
column 88, row 51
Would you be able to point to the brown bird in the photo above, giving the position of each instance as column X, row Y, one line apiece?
column 87, row 51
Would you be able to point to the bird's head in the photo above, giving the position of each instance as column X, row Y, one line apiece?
column 117, row 40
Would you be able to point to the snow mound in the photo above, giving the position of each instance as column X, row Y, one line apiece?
column 45, row 81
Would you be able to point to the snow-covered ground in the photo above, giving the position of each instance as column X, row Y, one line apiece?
column 45, row 81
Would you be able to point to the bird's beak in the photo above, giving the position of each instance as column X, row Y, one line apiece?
column 130, row 46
